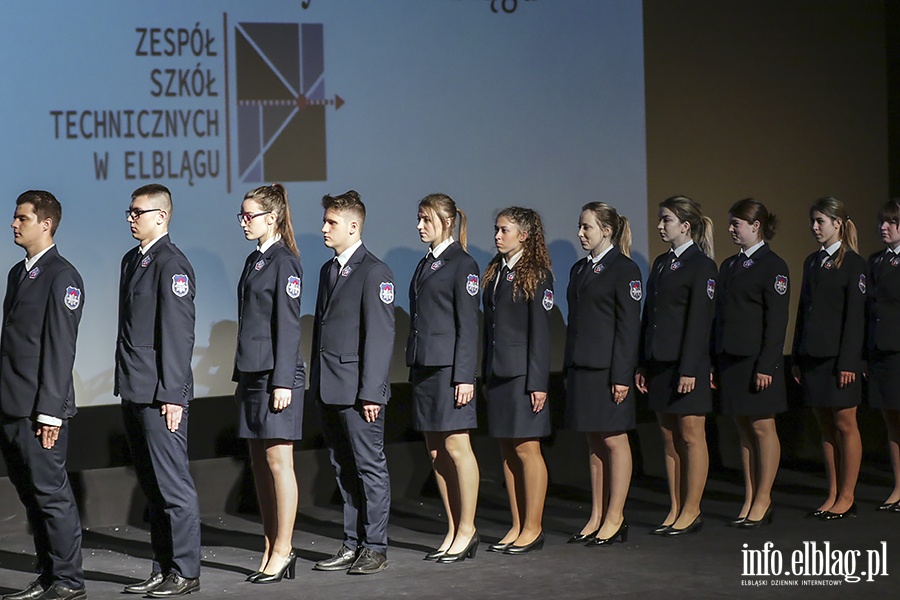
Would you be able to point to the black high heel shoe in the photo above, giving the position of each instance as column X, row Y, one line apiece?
column 467, row 552
column 435, row 554
column 815, row 514
column 287, row 571
column 695, row 527
column 737, row 522
column 581, row 538
column 660, row 530
column 832, row 516
column 534, row 546
column 888, row 506
column 766, row 520
column 622, row 534
column 252, row 576
column 499, row 547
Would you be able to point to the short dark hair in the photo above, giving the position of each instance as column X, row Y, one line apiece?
column 45, row 204
column 155, row 190
column 348, row 201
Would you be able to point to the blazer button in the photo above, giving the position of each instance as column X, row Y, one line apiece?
column 323, row 323
column 321, row 349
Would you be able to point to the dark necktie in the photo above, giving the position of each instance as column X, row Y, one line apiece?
column 667, row 264
column 133, row 265
column 585, row 271
column 822, row 258
column 23, row 273
column 504, row 272
column 333, row 274
column 425, row 267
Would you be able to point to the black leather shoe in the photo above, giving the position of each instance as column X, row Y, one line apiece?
column 499, row 547
column 815, row 514
column 737, row 522
column 581, row 538
column 253, row 576
column 888, row 506
column 435, row 554
column 622, row 534
column 144, row 587
column 339, row 562
column 175, row 585
column 660, row 530
column 831, row 516
column 34, row 589
column 694, row 527
column 61, row 592
column 368, row 562
column 287, row 571
column 766, row 520
column 467, row 552
column 534, row 546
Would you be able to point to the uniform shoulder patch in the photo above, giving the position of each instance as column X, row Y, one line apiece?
column 781, row 284
column 73, row 297
column 547, row 301
column 386, row 292
column 634, row 288
column 472, row 284
column 711, row 288
column 180, row 285
column 293, row 287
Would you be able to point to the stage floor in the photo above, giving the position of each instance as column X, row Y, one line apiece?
column 711, row 564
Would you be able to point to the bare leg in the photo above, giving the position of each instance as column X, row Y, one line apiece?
column 695, row 466
column 829, row 451
column 748, row 462
column 667, row 426
column 768, row 453
column 280, row 460
column 534, row 472
column 850, row 457
column 265, row 496
column 892, row 421
column 435, row 442
column 466, row 478
column 618, row 470
column 512, row 472
column 596, row 451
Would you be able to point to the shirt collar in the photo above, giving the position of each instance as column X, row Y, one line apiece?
column 895, row 249
column 749, row 251
column 30, row 262
column 511, row 263
column 680, row 249
column 596, row 259
column 344, row 257
column 145, row 249
column 439, row 249
column 832, row 248
column 261, row 248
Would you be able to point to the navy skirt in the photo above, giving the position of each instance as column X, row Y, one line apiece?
column 589, row 403
column 434, row 406
column 256, row 417
column 884, row 380
column 509, row 410
column 737, row 388
column 819, row 378
column 662, row 390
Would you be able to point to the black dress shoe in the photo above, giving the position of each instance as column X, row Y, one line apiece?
column 695, row 527
column 534, row 546
column 737, row 522
column 253, row 576
column 622, row 534
column 368, row 562
column 660, row 530
column 499, row 547
column 61, row 592
column 467, row 552
column 435, row 554
column 832, row 516
column 287, row 571
column 175, row 585
column 339, row 562
column 766, row 520
column 888, row 506
column 34, row 589
column 581, row 538
column 144, row 587
column 815, row 514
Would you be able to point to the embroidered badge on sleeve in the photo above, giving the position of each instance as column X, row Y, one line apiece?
column 386, row 292
column 180, row 286
column 73, row 297
column 293, row 287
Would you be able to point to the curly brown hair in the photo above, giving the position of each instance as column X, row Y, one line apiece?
column 534, row 266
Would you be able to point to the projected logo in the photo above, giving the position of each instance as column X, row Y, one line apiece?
column 281, row 102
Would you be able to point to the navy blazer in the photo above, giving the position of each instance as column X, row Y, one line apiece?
column 269, row 317
column 156, row 326
column 443, row 308
column 517, row 332
column 40, row 326
column 604, row 315
column 353, row 333
column 678, row 311
column 831, row 318
column 752, row 308
column 883, row 303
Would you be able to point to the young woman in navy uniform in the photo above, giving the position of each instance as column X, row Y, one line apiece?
column 674, row 355
column 828, row 347
column 883, row 343
column 604, row 297
column 442, row 352
column 269, row 370
column 518, row 296
column 748, row 344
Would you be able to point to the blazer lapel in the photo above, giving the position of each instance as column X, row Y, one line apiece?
column 32, row 276
column 439, row 263
column 346, row 272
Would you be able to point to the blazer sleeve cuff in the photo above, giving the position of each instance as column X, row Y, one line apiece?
column 48, row 420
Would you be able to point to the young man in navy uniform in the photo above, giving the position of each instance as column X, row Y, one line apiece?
column 155, row 382
column 41, row 313
column 353, row 340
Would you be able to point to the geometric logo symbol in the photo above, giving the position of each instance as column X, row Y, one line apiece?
column 281, row 102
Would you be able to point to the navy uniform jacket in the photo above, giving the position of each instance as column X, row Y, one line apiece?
column 156, row 327
column 443, row 308
column 604, row 316
column 831, row 314
column 269, row 317
column 353, row 335
column 517, row 332
column 883, row 302
column 752, row 308
column 678, row 311
column 40, row 325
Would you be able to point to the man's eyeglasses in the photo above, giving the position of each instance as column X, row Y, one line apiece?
column 245, row 218
column 135, row 213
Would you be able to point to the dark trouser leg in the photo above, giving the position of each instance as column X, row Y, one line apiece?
column 367, row 444
column 341, row 456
